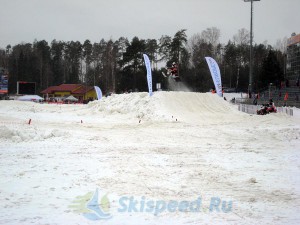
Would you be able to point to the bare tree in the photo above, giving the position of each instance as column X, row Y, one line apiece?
column 281, row 44
column 242, row 37
column 212, row 36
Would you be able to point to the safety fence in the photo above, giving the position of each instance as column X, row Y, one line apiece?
column 277, row 102
column 286, row 110
column 252, row 109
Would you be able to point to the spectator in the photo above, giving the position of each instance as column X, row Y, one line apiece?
column 287, row 83
column 255, row 101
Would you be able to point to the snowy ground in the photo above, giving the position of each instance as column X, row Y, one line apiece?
column 172, row 147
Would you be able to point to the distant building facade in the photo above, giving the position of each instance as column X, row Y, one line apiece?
column 293, row 58
column 79, row 91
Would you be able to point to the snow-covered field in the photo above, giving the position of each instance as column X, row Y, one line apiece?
column 168, row 151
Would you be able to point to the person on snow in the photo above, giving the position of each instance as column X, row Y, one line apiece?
column 271, row 107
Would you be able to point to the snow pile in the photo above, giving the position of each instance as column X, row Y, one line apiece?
column 19, row 106
column 163, row 106
column 54, row 133
column 5, row 132
column 19, row 134
column 197, row 107
column 135, row 105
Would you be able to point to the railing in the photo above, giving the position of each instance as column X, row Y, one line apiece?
column 286, row 110
column 277, row 102
column 252, row 109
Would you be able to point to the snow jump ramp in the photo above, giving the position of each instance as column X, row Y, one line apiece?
column 169, row 106
column 193, row 106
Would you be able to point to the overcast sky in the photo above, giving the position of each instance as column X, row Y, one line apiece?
column 67, row 20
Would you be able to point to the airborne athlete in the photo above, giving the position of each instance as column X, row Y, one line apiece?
column 173, row 72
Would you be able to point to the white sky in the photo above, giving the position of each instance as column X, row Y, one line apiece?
column 67, row 20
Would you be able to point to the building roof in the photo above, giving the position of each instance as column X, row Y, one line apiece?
column 48, row 90
column 293, row 40
column 67, row 87
column 72, row 88
column 82, row 90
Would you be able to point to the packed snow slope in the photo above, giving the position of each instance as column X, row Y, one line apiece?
column 165, row 106
column 173, row 146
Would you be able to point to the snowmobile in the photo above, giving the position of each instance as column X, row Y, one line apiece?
column 173, row 76
column 172, row 72
column 266, row 109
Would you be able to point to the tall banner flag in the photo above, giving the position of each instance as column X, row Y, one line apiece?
column 98, row 92
column 215, row 73
column 149, row 73
column 3, row 81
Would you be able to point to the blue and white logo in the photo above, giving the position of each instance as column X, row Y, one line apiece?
column 94, row 206
column 88, row 205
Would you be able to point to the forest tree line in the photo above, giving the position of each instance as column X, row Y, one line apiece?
column 118, row 66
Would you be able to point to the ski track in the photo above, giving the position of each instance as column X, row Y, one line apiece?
column 132, row 145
